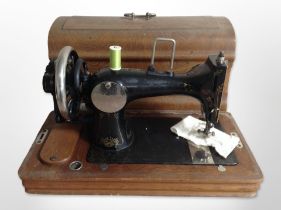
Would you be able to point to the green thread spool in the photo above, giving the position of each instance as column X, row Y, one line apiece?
column 115, row 58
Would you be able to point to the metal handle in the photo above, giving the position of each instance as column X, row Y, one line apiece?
column 173, row 51
column 147, row 16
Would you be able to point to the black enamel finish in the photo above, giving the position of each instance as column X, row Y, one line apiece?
column 153, row 144
column 110, row 131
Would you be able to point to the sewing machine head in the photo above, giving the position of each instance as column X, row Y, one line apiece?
column 101, row 97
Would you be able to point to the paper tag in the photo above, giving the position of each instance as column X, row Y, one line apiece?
column 221, row 141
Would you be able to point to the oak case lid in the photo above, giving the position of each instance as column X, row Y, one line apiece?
column 196, row 37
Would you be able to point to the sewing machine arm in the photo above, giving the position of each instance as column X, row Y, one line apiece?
column 204, row 82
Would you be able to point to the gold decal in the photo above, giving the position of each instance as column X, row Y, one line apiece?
column 109, row 141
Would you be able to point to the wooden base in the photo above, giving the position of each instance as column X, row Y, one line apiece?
column 41, row 176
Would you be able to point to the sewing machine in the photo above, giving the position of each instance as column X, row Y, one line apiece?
column 106, row 93
column 110, row 132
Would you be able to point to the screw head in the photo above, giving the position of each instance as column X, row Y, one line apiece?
column 221, row 168
column 221, row 58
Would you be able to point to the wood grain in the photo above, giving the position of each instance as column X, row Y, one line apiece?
column 61, row 143
column 243, row 179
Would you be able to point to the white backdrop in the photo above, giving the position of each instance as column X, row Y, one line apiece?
column 254, row 94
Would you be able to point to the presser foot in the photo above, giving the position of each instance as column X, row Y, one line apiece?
column 206, row 131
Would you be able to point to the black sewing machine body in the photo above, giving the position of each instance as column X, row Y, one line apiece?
column 107, row 92
column 203, row 82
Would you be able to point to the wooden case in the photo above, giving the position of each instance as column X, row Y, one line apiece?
column 46, row 166
column 40, row 175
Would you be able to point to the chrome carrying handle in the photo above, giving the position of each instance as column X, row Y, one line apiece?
column 147, row 16
column 173, row 50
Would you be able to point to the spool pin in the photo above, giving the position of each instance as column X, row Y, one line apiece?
column 115, row 58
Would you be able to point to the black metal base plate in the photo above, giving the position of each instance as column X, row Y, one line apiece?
column 154, row 143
